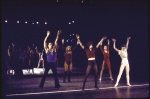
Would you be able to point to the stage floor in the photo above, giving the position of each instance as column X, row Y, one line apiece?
column 28, row 88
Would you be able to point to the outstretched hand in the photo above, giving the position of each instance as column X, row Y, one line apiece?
column 128, row 38
column 108, row 40
column 114, row 40
column 59, row 31
column 62, row 41
column 104, row 37
column 48, row 33
column 77, row 36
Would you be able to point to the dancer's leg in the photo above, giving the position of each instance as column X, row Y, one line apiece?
column 95, row 77
column 127, row 75
column 70, row 72
column 54, row 69
column 120, row 73
column 109, row 68
column 39, row 63
column 87, row 73
column 65, row 72
column 44, row 76
column 103, row 64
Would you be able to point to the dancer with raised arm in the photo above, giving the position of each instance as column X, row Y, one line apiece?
column 68, row 60
column 51, row 60
column 90, row 52
column 106, row 60
column 124, row 63
column 40, row 58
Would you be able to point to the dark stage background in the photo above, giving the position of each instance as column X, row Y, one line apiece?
column 114, row 19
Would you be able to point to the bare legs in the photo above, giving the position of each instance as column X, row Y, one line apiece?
column 40, row 62
column 66, row 69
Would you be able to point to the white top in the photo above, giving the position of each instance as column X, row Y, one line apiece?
column 123, row 54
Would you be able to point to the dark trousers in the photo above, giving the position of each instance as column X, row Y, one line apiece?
column 91, row 63
column 50, row 65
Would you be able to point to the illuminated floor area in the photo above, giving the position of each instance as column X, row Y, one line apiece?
column 28, row 88
column 40, row 71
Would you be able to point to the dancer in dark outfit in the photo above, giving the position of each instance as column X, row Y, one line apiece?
column 90, row 52
column 106, row 60
column 68, row 60
column 51, row 60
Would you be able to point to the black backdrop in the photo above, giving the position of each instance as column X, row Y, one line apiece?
column 92, row 21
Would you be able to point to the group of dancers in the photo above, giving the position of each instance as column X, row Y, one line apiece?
column 51, row 50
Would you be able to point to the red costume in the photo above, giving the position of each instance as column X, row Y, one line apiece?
column 106, row 57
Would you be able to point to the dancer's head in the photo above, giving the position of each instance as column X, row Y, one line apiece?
column 68, row 48
column 123, row 47
column 90, row 44
column 105, row 47
column 50, row 45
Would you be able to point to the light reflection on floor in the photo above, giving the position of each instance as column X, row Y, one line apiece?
column 37, row 71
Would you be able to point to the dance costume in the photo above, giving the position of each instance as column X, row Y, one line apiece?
column 124, row 64
column 41, row 59
column 91, row 64
column 50, row 64
column 68, row 63
column 105, row 61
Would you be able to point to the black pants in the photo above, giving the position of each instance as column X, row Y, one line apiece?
column 50, row 65
column 91, row 63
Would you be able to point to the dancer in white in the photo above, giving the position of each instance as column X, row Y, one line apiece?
column 124, row 64
column 40, row 58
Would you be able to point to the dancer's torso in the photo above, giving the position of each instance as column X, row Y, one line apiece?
column 90, row 54
column 124, row 56
column 68, row 55
column 51, row 56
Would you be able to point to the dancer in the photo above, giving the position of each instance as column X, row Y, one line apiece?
column 90, row 52
column 8, row 61
column 40, row 58
column 124, row 63
column 30, row 57
column 106, row 60
column 68, row 60
column 51, row 60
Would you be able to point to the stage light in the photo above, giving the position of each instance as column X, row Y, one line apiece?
column 37, row 22
column 17, row 21
column 69, row 22
column 70, row 35
column 45, row 22
column 26, row 22
column 57, row 0
column 82, row 1
column 6, row 21
column 72, row 21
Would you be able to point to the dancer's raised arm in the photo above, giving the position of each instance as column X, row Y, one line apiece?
column 78, row 38
column 45, row 44
column 36, row 50
column 114, row 46
column 108, row 45
column 100, row 42
column 127, row 42
column 56, row 40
